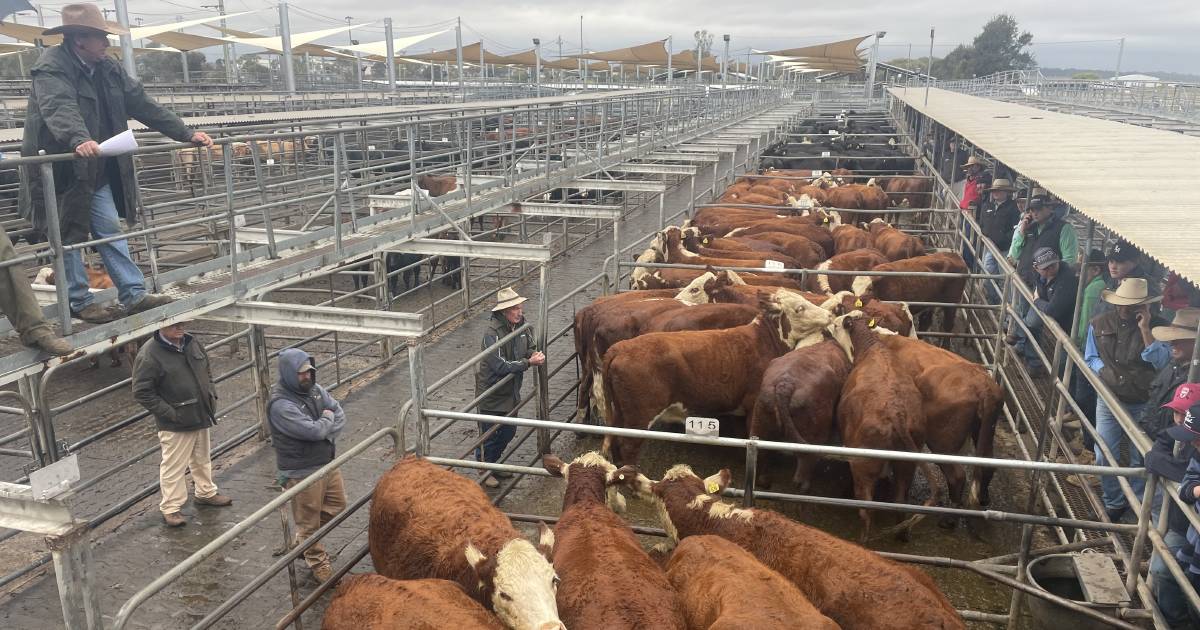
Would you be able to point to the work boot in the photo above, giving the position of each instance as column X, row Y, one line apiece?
column 322, row 573
column 174, row 519
column 96, row 314
column 216, row 500
column 491, row 482
column 51, row 344
column 151, row 300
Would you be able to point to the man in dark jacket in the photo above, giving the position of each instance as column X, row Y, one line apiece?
column 305, row 422
column 1124, row 261
column 1161, row 460
column 79, row 98
column 1116, row 350
column 172, row 380
column 1041, row 228
column 1056, row 287
column 509, row 359
column 997, row 219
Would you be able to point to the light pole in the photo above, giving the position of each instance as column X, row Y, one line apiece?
column 126, row 40
column 874, row 61
column 929, row 67
column 357, row 55
column 725, row 62
column 537, row 65
column 391, row 53
column 285, row 40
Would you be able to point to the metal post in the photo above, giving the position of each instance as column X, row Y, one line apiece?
column 543, row 371
column 391, row 54
column 54, row 234
column 582, row 62
column 259, row 353
column 662, row 210
column 871, row 67
column 1120, row 53
column 285, row 33
column 929, row 67
column 751, row 472
column 416, row 379
column 72, row 554
column 1144, row 524
column 126, row 39
column 1194, row 370
column 669, row 71
column 537, row 66
column 226, row 49
column 725, row 64
column 183, row 57
column 338, row 144
column 227, row 163
column 462, row 89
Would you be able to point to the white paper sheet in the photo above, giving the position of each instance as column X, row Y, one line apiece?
column 119, row 144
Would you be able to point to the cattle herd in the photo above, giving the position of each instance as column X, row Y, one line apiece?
column 809, row 340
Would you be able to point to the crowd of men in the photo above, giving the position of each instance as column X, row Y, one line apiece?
column 1137, row 336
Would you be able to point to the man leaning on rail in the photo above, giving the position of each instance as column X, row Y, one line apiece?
column 80, row 97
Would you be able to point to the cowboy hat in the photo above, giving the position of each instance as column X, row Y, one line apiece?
column 506, row 298
column 973, row 161
column 1131, row 292
column 1002, row 184
column 1182, row 327
column 84, row 17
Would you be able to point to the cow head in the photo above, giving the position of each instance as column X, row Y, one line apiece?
column 804, row 202
column 841, row 328
column 682, row 494
column 589, row 476
column 863, row 285
column 801, row 322
column 717, row 288
column 696, row 292
column 519, row 582
column 693, row 238
column 672, row 244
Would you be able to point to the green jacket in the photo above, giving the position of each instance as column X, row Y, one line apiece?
column 510, row 358
column 64, row 111
column 176, row 386
column 1091, row 297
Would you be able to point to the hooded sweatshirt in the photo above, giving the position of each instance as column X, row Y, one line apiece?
column 304, row 424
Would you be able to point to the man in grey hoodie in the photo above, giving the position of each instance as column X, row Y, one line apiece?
column 305, row 420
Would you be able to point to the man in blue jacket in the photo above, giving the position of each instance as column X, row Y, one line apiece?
column 305, row 421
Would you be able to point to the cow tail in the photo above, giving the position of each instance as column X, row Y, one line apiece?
column 780, row 400
column 987, row 411
column 611, row 412
column 935, row 488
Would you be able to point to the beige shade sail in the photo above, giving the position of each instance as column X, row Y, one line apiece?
column 297, row 39
column 185, row 41
column 29, row 33
column 567, row 63
column 470, row 55
column 845, row 49
column 526, row 58
column 379, row 48
column 686, row 61
column 138, row 32
column 653, row 53
column 8, row 48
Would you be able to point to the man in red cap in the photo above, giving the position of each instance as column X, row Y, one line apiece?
column 1188, row 432
column 1161, row 460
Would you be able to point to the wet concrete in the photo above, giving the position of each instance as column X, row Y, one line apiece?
column 135, row 548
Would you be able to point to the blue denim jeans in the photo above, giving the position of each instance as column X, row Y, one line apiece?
column 1171, row 600
column 1085, row 396
column 1025, row 347
column 1113, row 435
column 494, row 444
column 124, row 272
column 991, row 265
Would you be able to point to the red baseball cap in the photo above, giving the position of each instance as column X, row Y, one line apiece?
column 1186, row 396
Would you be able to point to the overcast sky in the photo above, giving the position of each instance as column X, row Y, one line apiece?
column 1159, row 34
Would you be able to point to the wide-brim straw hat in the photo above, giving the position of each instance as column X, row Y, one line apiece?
column 507, row 298
column 972, row 161
column 1182, row 327
column 84, row 17
column 1131, row 292
column 1002, row 184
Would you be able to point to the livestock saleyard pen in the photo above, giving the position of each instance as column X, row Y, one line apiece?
column 256, row 219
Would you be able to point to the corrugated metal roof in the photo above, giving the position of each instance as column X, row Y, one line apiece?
column 1143, row 184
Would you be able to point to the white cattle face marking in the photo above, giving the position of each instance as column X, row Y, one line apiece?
column 823, row 278
column 693, row 293
column 525, row 587
column 912, row 328
column 841, row 336
column 593, row 459
column 862, row 285
column 871, row 182
column 806, row 320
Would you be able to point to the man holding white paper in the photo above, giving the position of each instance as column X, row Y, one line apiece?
column 79, row 98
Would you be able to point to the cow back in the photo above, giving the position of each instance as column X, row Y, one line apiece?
column 374, row 602
column 799, row 393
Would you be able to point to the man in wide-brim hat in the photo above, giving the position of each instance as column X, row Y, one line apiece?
column 79, row 98
column 977, row 182
column 512, row 357
column 1116, row 350
column 997, row 219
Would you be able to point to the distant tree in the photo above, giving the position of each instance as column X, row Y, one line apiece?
column 704, row 41
column 1000, row 47
column 1087, row 75
column 919, row 64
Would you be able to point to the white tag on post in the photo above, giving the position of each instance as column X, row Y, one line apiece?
column 370, row 147
column 270, row 162
column 824, row 154
column 773, row 265
column 817, row 174
column 704, row 427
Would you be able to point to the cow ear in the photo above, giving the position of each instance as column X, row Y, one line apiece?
column 554, row 465
column 475, row 557
column 545, row 544
column 717, row 483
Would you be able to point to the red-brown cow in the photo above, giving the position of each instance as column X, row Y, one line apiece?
column 437, row 185
column 859, row 260
column 797, row 402
column 427, row 522
column 373, row 602
column 892, row 316
column 799, row 226
column 908, row 192
column 675, row 252
column 847, row 238
column 725, row 588
column 668, row 376
column 608, row 581
column 751, row 198
column 834, row 574
column 894, row 244
column 880, row 408
column 966, row 402
column 919, row 289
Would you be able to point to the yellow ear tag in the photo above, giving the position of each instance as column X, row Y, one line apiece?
column 706, row 240
column 826, row 220
column 857, row 303
column 712, row 487
column 871, row 323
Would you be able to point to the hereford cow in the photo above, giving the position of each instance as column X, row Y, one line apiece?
column 675, row 252
column 803, row 251
column 919, row 289
column 908, row 192
column 792, row 225
column 894, row 244
column 751, row 198
column 858, row 260
column 427, row 522
column 668, row 376
column 373, row 602
column 723, row 587
column 965, row 400
column 847, row 238
column 880, row 408
column 608, row 581
column 797, row 402
column 853, row 586
column 894, row 317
